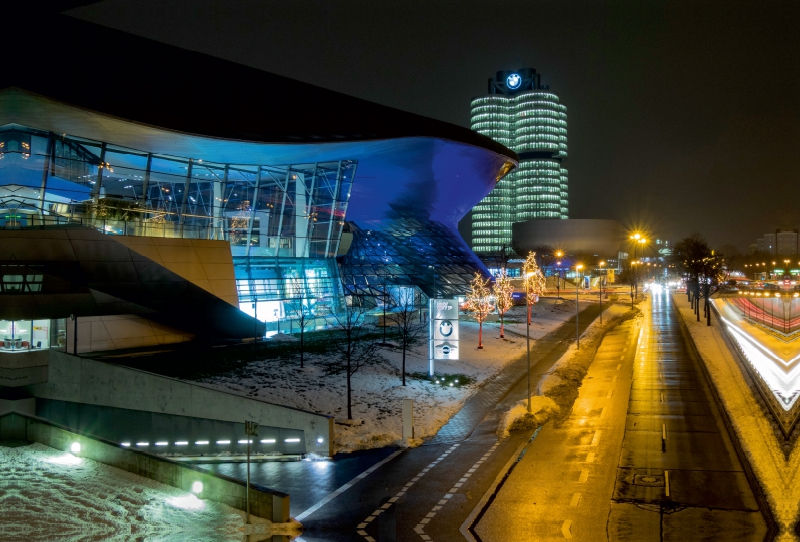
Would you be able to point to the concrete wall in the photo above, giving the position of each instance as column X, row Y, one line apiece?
column 207, row 264
column 101, row 333
column 97, row 383
column 264, row 503
column 24, row 368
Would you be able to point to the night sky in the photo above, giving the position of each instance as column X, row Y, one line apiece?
column 682, row 116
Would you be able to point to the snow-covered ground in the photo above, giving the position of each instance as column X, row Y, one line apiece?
column 377, row 389
column 779, row 477
column 50, row 495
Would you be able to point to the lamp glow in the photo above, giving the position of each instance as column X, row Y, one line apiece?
column 197, row 487
column 75, row 447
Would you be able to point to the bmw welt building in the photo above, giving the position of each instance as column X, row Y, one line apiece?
column 152, row 195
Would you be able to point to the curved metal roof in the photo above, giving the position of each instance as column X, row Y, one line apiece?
column 127, row 77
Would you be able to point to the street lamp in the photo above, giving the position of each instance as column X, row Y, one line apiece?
column 577, row 279
column 600, row 284
column 559, row 255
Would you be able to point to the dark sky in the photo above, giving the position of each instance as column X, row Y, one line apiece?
column 682, row 116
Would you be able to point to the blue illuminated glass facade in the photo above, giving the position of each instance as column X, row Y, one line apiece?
column 408, row 252
column 283, row 222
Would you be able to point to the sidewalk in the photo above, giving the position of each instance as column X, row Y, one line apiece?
column 561, row 487
column 546, row 350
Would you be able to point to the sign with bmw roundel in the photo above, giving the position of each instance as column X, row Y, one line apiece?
column 444, row 313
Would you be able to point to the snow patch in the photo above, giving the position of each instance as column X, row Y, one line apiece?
column 377, row 391
column 518, row 417
column 47, row 494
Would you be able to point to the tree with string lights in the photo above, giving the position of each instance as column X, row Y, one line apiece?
column 479, row 303
column 502, row 297
column 534, row 280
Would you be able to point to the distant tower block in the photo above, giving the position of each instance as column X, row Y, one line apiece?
column 525, row 116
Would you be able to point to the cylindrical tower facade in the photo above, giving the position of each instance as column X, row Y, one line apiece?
column 528, row 118
column 539, row 124
column 493, row 216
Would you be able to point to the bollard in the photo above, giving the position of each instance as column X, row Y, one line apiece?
column 408, row 418
column 663, row 438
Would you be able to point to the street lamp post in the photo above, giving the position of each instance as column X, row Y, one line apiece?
column 600, row 287
column 577, row 331
column 528, row 332
column 430, row 324
column 559, row 255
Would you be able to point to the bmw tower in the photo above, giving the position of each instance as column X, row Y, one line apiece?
column 525, row 116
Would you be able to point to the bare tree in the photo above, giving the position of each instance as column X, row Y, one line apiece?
column 304, row 318
column 356, row 344
column 628, row 278
column 704, row 271
column 545, row 256
column 405, row 315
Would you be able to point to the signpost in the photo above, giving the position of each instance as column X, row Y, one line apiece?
column 443, row 331
column 250, row 431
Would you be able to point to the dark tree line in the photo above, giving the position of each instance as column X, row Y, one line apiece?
column 705, row 271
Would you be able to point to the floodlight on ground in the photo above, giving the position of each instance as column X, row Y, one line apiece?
column 197, row 487
column 75, row 447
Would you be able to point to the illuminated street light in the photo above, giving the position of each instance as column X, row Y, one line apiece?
column 559, row 255
column 600, row 284
column 577, row 280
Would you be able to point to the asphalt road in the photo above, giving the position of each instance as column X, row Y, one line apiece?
column 425, row 493
column 607, row 473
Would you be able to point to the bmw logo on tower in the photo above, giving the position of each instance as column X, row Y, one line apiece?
column 514, row 81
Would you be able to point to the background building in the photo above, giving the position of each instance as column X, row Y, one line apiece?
column 779, row 242
column 524, row 115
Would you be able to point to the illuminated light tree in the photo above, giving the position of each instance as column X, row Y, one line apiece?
column 534, row 281
column 502, row 297
column 479, row 303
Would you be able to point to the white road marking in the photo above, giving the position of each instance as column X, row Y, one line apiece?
column 363, row 525
column 330, row 496
column 420, row 528
column 566, row 528
column 576, row 498
column 614, row 379
column 610, row 393
column 666, row 481
column 619, row 367
column 596, row 438
column 590, row 457
column 583, row 477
